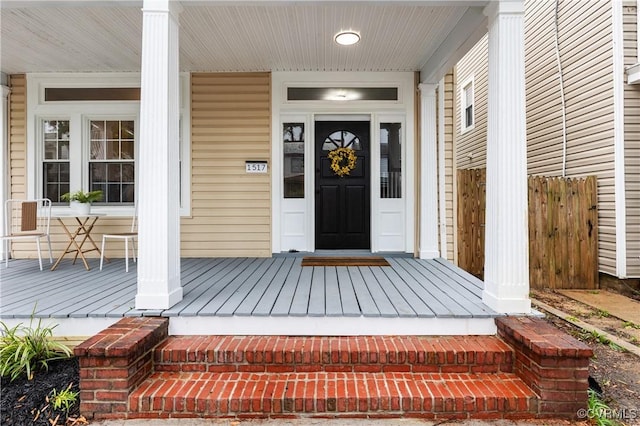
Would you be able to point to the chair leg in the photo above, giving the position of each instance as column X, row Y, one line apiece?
column 50, row 252
column 7, row 247
column 126, row 254
column 39, row 254
column 133, row 245
column 102, row 253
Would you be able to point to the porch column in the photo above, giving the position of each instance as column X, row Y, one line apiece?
column 158, row 189
column 506, row 271
column 4, row 160
column 428, row 173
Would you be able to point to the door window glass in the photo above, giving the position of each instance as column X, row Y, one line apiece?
column 293, row 141
column 342, row 139
column 390, row 160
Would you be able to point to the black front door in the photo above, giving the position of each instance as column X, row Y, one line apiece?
column 342, row 191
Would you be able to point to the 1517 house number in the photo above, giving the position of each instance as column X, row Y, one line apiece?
column 256, row 166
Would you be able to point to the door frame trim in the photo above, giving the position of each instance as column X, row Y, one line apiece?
column 307, row 112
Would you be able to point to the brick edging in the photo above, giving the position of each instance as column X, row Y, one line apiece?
column 114, row 362
column 552, row 363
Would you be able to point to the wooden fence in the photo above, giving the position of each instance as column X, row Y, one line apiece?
column 563, row 229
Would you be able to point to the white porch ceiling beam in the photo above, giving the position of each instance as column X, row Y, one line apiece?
column 469, row 29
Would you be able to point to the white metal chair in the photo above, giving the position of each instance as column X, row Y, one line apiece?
column 130, row 236
column 27, row 220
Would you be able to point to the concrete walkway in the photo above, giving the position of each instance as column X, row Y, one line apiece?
column 617, row 305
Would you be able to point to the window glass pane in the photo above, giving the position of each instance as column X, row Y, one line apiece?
column 390, row 160
column 293, row 140
column 112, row 130
column 126, row 150
column 56, row 139
column 128, row 193
column 97, row 150
column 50, row 150
column 111, row 167
column 126, row 130
column 63, row 150
column 55, row 180
column 97, row 130
column 113, row 150
column 91, row 94
column 342, row 94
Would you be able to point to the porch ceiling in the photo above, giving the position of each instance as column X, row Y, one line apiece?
column 71, row 36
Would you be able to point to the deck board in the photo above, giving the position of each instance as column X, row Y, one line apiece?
column 249, row 287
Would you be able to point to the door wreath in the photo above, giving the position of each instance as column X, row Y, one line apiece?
column 343, row 160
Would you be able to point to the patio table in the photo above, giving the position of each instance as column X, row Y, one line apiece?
column 84, row 224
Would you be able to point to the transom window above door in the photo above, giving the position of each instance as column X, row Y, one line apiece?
column 341, row 139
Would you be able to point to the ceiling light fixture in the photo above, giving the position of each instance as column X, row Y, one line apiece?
column 347, row 38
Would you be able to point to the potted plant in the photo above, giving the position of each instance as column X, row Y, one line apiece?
column 80, row 201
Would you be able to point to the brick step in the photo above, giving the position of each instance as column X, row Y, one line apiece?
column 326, row 394
column 447, row 354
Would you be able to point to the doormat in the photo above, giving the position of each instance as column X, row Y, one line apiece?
column 344, row 261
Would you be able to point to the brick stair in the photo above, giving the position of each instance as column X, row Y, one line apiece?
column 393, row 376
column 134, row 369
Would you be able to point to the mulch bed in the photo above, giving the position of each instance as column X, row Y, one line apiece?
column 24, row 402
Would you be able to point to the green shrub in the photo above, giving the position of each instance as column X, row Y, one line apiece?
column 25, row 349
column 64, row 399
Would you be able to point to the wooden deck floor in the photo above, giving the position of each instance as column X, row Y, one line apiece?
column 226, row 293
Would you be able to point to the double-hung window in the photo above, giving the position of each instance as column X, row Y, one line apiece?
column 83, row 152
column 467, row 104
column 83, row 135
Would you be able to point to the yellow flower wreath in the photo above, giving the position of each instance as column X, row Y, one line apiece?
column 343, row 160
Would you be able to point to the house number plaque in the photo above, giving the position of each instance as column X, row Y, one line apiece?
column 256, row 166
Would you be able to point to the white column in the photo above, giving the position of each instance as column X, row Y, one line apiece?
column 506, row 273
column 4, row 160
column 158, row 166
column 428, row 173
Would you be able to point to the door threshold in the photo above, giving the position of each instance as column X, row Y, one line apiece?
column 341, row 253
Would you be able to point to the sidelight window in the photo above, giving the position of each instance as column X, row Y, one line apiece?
column 390, row 160
column 293, row 149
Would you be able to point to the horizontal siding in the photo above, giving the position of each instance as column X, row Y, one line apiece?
column 586, row 56
column 471, row 146
column 449, row 183
column 587, row 65
column 632, row 142
column 231, row 123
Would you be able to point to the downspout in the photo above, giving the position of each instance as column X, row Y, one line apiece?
column 562, row 97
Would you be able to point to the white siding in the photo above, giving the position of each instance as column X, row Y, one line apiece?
column 585, row 46
column 632, row 142
column 471, row 146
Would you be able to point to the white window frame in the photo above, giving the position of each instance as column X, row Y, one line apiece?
column 79, row 114
column 464, row 105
